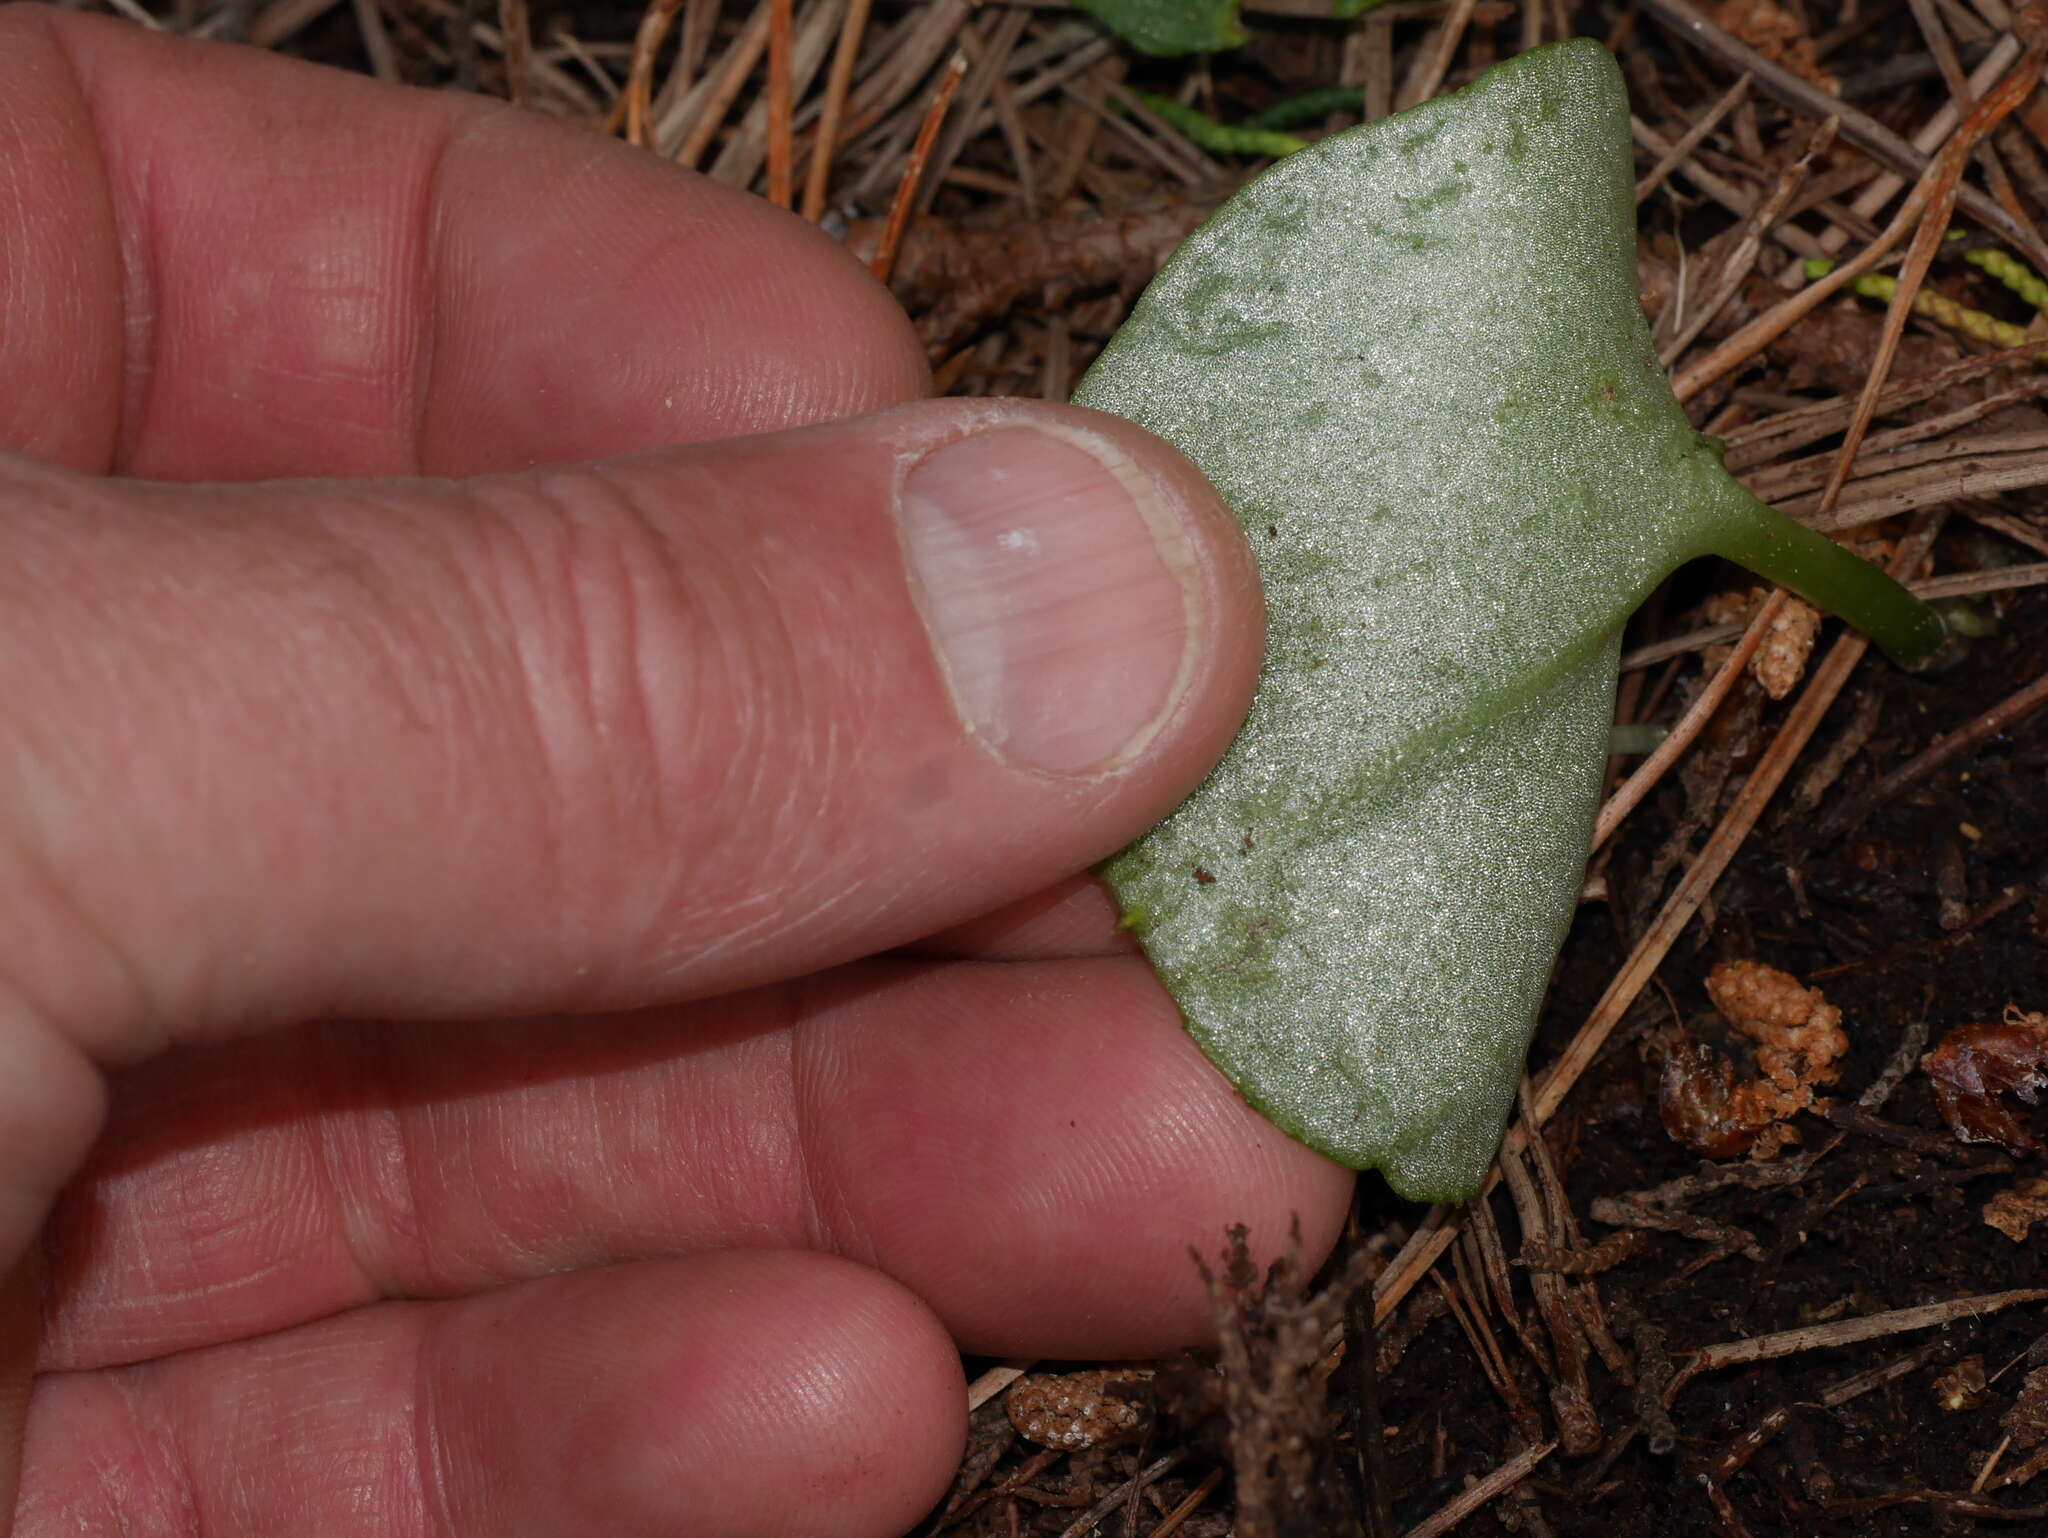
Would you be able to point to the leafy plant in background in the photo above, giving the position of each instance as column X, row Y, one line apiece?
column 1413, row 360
column 1171, row 27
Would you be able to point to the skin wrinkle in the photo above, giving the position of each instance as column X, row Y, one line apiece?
column 467, row 549
column 602, row 1147
column 732, row 601
column 215, row 1221
column 429, row 1461
column 122, row 989
column 626, row 564
column 825, row 1207
column 138, row 287
column 740, row 1128
column 337, row 272
column 803, row 807
column 87, row 973
column 778, row 389
column 427, row 264
column 530, row 587
column 384, row 1151
column 513, row 1215
column 665, row 607
column 158, row 1445
column 336, row 375
column 712, row 1123
column 141, row 291
column 792, row 1215
column 13, row 185
column 54, row 1130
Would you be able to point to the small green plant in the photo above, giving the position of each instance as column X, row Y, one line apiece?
column 1882, row 287
column 1222, row 138
column 2011, row 271
column 1188, row 26
column 1412, row 359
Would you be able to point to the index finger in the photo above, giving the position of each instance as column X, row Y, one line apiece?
column 224, row 264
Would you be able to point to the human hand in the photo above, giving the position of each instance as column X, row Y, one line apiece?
column 660, row 744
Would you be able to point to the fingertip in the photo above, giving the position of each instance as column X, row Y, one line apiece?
column 748, row 1393
column 1056, row 1116
column 742, row 1394
column 840, row 1388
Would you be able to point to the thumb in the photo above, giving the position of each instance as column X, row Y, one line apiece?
column 581, row 738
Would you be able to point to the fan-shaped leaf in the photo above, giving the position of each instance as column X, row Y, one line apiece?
column 1412, row 359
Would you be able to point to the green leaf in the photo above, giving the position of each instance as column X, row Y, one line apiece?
column 1221, row 138
column 1170, row 26
column 1412, row 359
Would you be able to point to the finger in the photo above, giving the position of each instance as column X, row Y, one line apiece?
column 1074, row 917
column 20, row 1332
column 764, row 1393
column 593, row 738
column 662, row 728
column 1031, row 1147
column 225, row 264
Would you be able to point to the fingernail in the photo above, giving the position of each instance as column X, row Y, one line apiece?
column 1059, row 586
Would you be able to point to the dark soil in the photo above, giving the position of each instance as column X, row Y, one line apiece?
column 1873, row 1227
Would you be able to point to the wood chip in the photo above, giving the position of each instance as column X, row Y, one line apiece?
column 2013, row 1212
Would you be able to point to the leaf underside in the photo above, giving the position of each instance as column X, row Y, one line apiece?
column 1412, row 359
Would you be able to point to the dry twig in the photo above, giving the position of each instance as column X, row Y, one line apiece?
column 1847, row 1332
column 1492, row 1487
column 913, row 170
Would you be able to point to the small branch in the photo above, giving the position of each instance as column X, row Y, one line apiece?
column 1947, row 174
column 1190, row 1504
column 733, row 69
column 1847, row 1332
column 993, row 1382
column 633, row 103
column 1672, row 158
column 1492, row 1487
column 1127, row 1491
column 1434, row 61
column 913, row 170
column 517, row 47
column 1859, row 128
column 2002, row 717
column 1742, row 256
column 1912, row 1042
column 781, row 102
column 1690, row 725
column 852, row 28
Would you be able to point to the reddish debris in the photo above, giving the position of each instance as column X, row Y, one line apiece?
column 1798, row 1036
column 1975, row 1064
column 1096, row 1408
column 1703, row 1107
